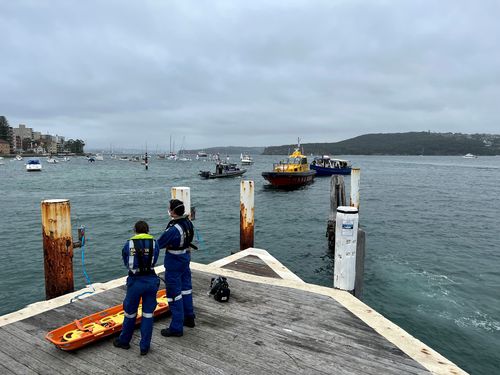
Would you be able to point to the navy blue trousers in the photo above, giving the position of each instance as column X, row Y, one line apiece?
column 179, row 289
column 137, row 287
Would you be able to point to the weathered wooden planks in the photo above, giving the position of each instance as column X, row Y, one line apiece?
column 263, row 329
column 253, row 265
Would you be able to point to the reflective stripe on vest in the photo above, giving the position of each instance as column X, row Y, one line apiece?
column 132, row 252
column 183, row 235
column 177, row 252
column 185, row 292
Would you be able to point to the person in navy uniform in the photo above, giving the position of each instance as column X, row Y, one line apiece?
column 140, row 255
column 176, row 239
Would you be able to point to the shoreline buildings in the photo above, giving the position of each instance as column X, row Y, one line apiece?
column 24, row 139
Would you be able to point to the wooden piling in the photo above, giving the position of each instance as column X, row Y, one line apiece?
column 337, row 198
column 360, row 264
column 247, row 209
column 355, row 177
column 183, row 193
column 57, row 247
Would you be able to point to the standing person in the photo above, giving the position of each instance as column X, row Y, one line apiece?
column 177, row 240
column 140, row 254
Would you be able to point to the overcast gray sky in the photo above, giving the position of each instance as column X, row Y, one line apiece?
column 248, row 73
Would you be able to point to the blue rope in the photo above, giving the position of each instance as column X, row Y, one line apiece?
column 199, row 239
column 89, row 283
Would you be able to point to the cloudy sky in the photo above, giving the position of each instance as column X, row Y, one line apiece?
column 251, row 73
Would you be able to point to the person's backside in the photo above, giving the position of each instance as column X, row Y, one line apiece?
column 139, row 254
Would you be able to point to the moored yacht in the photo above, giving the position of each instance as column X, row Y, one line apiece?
column 246, row 159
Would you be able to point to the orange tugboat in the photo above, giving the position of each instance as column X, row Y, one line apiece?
column 292, row 172
column 99, row 325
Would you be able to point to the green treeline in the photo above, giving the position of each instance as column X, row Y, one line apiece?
column 5, row 132
column 412, row 143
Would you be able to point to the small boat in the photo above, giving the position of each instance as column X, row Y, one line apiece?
column 326, row 166
column 123, row 158
column 99, row 157
column 1, row 160
column 201, row 155
column 51, row 160
column 223, row 170
column 18, row 157
column 94, row 327
column 246, row 159
column 292, row 172
column 469, row 156
column 33, row 165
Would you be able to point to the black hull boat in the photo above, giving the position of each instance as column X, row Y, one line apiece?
column 223, row 170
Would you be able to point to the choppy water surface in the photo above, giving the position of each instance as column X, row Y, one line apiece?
column 432, row 223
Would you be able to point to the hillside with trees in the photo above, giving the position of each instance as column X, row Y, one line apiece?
column 412, row 143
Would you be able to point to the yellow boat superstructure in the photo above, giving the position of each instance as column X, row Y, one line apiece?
column 296, row 162
column 291, row 172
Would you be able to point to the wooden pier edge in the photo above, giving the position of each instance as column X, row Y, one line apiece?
column 414, row 348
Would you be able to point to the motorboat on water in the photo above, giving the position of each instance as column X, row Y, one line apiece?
column 94, row 327
column 326, row 166
column 469, row 156
column 292, row 172
column 99, row 157
column 201, row 155
column 18, row 157
column 33, row 165
column 246, row 159
column 51, row 160
column 223, row 169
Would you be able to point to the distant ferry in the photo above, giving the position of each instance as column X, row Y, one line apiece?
column 325, row 166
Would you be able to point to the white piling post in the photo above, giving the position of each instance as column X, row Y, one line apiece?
column 183, row 194
column 246, row 214
column 346, row 234
column 355, row 176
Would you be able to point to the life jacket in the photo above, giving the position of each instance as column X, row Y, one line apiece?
column 140, row 261
column 186, row 232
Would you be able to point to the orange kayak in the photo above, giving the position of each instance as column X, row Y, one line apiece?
column 99, row 325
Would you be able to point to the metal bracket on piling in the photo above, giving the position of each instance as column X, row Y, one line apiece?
column 81, row 233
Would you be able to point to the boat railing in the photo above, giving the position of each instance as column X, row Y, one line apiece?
column 284, row 167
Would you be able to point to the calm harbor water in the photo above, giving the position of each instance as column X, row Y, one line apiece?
column 432, row 223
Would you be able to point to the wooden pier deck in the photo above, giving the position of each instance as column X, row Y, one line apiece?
column 278, row 325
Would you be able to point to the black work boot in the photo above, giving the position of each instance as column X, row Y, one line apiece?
column 118, row 344
column 189, row 321
column 168, row 333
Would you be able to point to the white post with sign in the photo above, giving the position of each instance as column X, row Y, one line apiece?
column 346, row 238
column 183, row 194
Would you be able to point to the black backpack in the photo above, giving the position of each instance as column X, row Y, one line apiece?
column 219, row 288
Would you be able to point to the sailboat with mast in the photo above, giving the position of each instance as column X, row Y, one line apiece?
column 182, row 153
column 171, row 154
